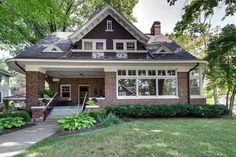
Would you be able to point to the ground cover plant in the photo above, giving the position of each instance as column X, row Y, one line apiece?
column 146, row 138
column 11, row 122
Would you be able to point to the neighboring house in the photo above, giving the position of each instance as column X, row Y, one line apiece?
column 112, row 60
column 4, row 85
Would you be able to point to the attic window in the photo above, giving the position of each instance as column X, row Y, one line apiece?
column 162, row 50
column 109, row 25
column 52, row 48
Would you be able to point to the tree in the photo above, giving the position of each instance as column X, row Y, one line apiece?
column 197, row 14
column 221, row 56
column 26, row 22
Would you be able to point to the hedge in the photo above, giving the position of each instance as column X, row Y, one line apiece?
column 24, row 114
column 181, row 110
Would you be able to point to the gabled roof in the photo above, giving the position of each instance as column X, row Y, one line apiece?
column 6, row 73
column 95, row 20
column 157, row 41
column 59, row 39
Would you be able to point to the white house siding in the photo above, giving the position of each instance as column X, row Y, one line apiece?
column 4, row 87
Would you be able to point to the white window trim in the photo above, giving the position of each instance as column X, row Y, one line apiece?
column 1, row 100
column 124, row 41
column 156, row 77
column 200, row 84
column 109, row 30
column 94, row 41
column 61, row 90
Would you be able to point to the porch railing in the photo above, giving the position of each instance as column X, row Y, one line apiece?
column 50, row 105
column 84, row 101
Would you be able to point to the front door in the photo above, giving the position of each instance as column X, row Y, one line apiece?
column 82, row 92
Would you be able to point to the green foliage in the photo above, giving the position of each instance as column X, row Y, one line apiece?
column 76, row 122
column 197, row 13
column 26, row 115
column 26, row 22
column 47, row 93
column 90, row 103
column 109, row 120
column 101, row 112
column 156, row 111
column 11, row 122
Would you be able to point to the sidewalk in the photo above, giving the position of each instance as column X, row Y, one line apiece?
column 16, row 142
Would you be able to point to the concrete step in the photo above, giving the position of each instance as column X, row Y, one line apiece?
column 62, row 111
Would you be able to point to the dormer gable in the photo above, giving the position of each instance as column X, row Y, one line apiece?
column 108, row 10
column 163, row 50
column 52, row 48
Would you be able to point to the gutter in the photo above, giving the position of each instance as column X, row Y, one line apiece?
column 188, row 80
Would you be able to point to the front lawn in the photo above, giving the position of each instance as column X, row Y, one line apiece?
column 146, row 138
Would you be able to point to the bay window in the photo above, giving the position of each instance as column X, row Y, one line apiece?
column 144, row 83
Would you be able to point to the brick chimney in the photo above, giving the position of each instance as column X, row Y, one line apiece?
column 156, row 28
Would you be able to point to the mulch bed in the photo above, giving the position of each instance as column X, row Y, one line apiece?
column 7, row 131
column 67, row 132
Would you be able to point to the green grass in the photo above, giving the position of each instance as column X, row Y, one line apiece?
column 147, row 138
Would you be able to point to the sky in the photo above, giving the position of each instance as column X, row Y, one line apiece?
column 148, row 11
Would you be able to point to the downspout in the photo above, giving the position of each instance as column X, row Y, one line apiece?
column 188, row 80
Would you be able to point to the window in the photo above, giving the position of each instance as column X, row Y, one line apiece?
column 130, row 45
column 195, row 82
column 125, row 45
column 119, row 46
column 127, row 87
column 147, row 87
column 88, row 45
column 1, row 97
column 121, row 55
column 109, row 25
column 98, row 55
column 99, row 45
column 66, row 91
column 94, row 44
column 143, row 83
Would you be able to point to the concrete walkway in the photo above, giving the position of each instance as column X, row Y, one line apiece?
column 16, row 142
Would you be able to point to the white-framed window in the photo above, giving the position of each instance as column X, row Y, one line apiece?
column 195, row 82
column 98, row 55
column 94, row 44
column 1, row 96
column 109, row 25
column 121, row 55
column 147, row 83
column 65, row 91
column 125, row 45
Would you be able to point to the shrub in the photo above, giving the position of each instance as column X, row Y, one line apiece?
column 108, row 120
column 153, row 111
column 23, row 114
column 11, row 122
column 76, row 122
column 101, row 112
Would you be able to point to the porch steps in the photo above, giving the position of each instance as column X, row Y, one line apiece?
column 62, row 111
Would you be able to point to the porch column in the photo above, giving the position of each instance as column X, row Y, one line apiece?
column 110, row 87
column 183, row 87
column 35, row 82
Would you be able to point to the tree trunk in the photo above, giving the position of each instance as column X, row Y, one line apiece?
column 227, row 98
column 215, row 93
column 231, row 104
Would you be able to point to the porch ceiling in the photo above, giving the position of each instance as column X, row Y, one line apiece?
column 76, row 73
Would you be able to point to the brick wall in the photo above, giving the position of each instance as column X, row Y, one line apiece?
column 35, row 82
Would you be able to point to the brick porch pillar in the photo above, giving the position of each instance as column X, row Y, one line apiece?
column 35, row 82
column 183, row 87
column 110, row 87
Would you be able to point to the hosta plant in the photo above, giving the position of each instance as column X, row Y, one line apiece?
column 11, row 122
column 76, row 122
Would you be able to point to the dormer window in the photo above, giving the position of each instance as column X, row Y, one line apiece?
column 125, row 45
column 94, row 44
column 109, row 25
column 163, row 50
column 52, row 48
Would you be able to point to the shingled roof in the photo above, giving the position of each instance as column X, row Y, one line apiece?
column 157, row 41
column 60, row 39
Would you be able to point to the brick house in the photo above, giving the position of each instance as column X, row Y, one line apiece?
column 114, row 62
